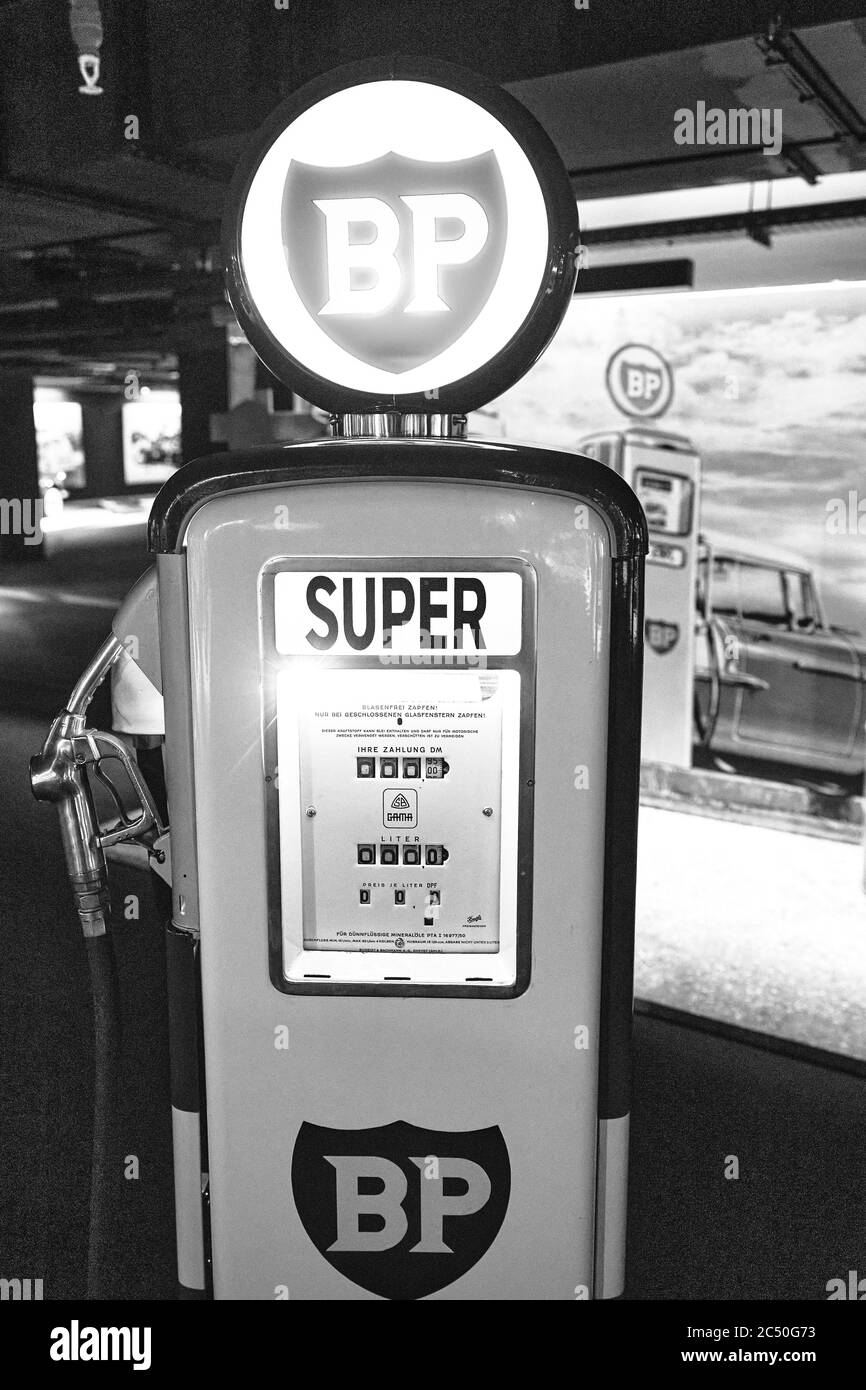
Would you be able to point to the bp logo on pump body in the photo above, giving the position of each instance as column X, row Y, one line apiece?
column 662, row 637
column 396, row 258
column 399, row 1210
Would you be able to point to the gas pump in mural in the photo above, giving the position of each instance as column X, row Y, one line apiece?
column 664, row 470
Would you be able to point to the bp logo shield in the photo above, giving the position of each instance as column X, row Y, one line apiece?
column 395, row 259
column 640, row 385
column 639, row 380
column 399, row 1210
column 662, row 637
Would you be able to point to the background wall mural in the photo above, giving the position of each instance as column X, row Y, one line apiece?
column 770, row 385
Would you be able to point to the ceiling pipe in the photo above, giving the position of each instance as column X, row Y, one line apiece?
column 730, row 223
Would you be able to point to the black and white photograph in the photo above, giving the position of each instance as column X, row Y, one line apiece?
column 432, row 671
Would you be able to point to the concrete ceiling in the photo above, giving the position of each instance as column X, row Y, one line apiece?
column 614, row 125
column 88, row 217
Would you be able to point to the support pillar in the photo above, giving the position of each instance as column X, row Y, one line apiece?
column 102, row 433
column 203, row 372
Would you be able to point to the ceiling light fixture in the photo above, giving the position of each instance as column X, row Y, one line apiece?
column 85, row 23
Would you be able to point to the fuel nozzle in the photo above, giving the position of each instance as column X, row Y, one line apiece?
column 59, row 774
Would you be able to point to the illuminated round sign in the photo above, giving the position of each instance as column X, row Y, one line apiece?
column 402, row 234
column 639, row 381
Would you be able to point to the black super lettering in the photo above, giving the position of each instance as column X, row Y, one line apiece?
column 391, row 618
column 322, row 642
column 359, row 641
column 438, row 612
column 464, row 616
column 428, row 610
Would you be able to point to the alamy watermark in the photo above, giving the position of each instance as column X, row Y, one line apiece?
column 467, row 659
column 22, row 516
column 846, row 516
column 21, row 1290
column 760, row 126
column 853, row 1288
column 436, row 649
column 77, row 1343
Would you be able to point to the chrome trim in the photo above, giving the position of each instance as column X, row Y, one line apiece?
column 397, row 424
column 174, row 629
column 819, row 668
column 188, row 1198
column 741, row 681
column 611, row 1205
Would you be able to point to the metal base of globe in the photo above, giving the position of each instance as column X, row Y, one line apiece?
column 397, row 424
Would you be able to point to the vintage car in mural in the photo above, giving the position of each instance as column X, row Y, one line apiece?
column 773, row 681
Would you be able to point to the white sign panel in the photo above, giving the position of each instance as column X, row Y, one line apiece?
column 397, row 614
column 398, row 822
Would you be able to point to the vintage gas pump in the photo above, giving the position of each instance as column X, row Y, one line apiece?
column 401, row 683
column 664, row 470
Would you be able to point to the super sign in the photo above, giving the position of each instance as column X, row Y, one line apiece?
column 344, row 613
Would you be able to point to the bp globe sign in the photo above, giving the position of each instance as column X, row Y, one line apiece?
column 401, row 235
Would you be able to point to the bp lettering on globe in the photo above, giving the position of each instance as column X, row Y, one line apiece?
column 401, row 241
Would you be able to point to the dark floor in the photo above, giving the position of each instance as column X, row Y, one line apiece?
column 795, row 1217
